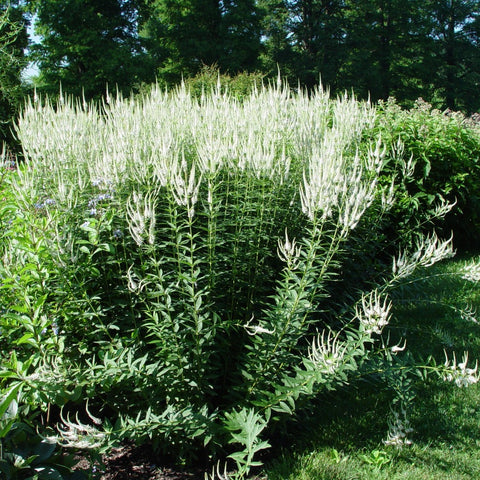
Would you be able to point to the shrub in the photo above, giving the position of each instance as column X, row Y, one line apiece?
column 171, row 258
column 443, row 149
column 209, row 78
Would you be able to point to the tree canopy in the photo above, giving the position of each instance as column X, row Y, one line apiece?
column 87, row 45
column 13, row 41
column 378, row 48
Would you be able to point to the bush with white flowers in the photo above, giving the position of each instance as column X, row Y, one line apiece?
column 170, row 259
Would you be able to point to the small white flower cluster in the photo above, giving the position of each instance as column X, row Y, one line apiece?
column 443, row 208
column 253, row 330
column 469, row 314
column 135, row 285
column 471, row 272
column 459, row 373
column 429, row 250
column 78, row 435
column 398, row 429
column 185, row 188
column 327, row 352
column 218, row 474
column 141, row 217
column 374, row 313
column 288, row 251
column 388, row 197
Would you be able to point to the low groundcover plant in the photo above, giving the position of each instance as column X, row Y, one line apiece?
column 170, row 258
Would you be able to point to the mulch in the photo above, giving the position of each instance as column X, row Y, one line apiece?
column 136, row 463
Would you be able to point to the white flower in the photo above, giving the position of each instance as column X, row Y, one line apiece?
column 430, row 250
column 77, row 434
column 375, row 313
column 327, row 352
column 460, row 374
column 471, row 272
column 141, row 217
column 398, row 348
column 256, row 329
column 288, row 251
column 185, row 187
column 134, row 283
column 398, row 430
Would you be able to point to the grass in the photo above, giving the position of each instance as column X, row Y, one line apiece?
column 341, row 437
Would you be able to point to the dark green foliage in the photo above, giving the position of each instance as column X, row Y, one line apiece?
column 405, row 49
column 445, row 152
column 388, row 49
column 87, row 46
column 185, row 35
column 13, row 39
column 456, row 34
column 209, row 78
column 26, row 455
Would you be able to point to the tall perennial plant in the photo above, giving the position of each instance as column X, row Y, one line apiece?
column 170, row 259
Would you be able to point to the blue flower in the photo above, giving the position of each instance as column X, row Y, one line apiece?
column 97, row 182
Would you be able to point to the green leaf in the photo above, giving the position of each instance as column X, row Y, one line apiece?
column 27, row 338
column 47, row 473
column 44, row 450
column 9, row 398
column 239, row 457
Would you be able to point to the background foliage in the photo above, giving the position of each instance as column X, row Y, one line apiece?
column 13, row 41
column 405, row 49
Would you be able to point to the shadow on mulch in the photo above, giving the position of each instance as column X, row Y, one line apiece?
column 138, row 463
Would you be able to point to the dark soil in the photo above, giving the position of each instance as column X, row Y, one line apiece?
column 136, row 463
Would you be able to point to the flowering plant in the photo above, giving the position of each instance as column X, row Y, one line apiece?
column 172, row 260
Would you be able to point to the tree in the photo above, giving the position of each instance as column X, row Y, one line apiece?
column 86, row 45
column 378, row 48
column 240, row 31
column 318, row 31
column 389, row 49
column 13, row 41
column 184, row 35
column 306, row 38
column 456, row 31
column 277, row 49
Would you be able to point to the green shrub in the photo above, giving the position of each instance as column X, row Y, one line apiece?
column 171, row 259
column 209, row 78
column 445, row 151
